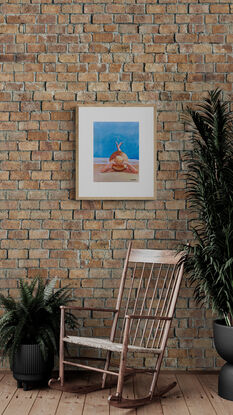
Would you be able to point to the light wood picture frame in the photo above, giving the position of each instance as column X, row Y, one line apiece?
column 115, row 152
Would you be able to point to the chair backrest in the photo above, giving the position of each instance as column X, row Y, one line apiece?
column 149, row 287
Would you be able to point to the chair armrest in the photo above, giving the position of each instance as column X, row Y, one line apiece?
column 137, row 316
column 73, row 307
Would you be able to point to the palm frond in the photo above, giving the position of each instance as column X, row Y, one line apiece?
column 49, row 288
column 209, row 176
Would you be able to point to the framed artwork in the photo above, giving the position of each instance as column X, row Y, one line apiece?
column 115, row 152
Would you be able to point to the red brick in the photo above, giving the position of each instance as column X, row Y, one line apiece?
column 219, row 8
column 17, row 234
column 114, row 224
column 38, row 234
column 8, row 263
column 103, row 37
column 122, row 234
column 156, row 9
column 198, row 8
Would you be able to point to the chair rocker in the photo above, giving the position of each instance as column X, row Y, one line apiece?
column 145, row 305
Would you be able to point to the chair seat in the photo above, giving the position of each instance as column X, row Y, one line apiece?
column 107, row 344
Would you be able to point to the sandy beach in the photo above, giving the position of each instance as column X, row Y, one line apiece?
column 113, row 176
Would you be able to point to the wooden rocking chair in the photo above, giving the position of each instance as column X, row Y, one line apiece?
column 142, row 318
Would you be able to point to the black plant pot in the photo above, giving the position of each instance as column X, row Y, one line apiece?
column 29, row 367
column 223, row 340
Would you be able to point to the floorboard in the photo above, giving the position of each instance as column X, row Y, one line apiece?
column 72, row 403
column 173, row 403
column 96, row 402
column 195, row 397
column 141, row 387
column 194, row 394
column 210, row 386
column 21, row 402
column 8, row 388
column 46, row 402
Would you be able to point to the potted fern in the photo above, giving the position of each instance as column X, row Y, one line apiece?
column 29, row 329
column 209, row 263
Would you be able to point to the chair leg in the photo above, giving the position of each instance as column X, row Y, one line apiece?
column 156, row 375
column 106, row 366
column 61, row 348
column 121, row 375
column 122, row 368
column 154, row 382
column 61, row 369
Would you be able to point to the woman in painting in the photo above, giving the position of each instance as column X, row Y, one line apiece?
column 118, row 162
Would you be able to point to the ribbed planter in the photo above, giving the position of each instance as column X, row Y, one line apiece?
column 223, row 340
column 29, row 366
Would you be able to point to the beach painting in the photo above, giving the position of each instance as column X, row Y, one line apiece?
column 115, row 151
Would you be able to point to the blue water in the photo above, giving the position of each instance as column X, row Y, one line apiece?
column 105, row 160
column 107, row 133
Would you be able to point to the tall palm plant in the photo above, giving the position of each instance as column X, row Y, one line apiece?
column 209, row 263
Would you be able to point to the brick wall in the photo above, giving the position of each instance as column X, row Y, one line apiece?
column 55, row 54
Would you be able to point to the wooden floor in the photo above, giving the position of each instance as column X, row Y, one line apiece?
column 195, row 394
